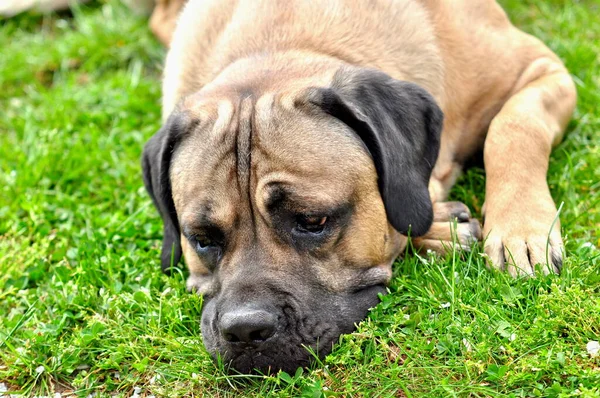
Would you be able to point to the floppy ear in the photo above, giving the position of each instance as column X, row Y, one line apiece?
column 156, row 161
column 400, row 124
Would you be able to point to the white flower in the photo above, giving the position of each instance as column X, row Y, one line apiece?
column 15, row 102
column 444, row 305
column 39, row 369
column 512, row 337
column 467, row 345
column 422, row 259
column 593, row 348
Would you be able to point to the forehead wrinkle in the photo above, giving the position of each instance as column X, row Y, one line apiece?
column 212, row 211
column 203, row 162
column 225, row 113
column 264, row 111
column 262, row 192
column 210, row 132
column 244, row 142
column 297, row 191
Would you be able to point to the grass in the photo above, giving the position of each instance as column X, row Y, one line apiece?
column 85, row 310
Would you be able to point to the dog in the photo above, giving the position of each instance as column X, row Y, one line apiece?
column 303, row 141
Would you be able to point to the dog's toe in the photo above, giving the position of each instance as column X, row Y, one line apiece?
column 449, row 211
column 524, row 256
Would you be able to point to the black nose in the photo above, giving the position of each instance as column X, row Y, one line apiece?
column 247, row 325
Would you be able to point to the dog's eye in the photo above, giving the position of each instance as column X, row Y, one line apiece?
column 209, row 248
column 312, row 224
column 208, row 241
column 204, row 242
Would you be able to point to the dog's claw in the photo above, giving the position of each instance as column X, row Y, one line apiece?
column 463, row 217
column 448, row 211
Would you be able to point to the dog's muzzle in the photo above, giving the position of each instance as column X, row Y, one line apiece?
column 269, row 327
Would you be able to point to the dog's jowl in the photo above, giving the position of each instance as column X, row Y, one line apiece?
column 304, row 141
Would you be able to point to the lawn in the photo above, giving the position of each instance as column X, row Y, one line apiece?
column 85, row 310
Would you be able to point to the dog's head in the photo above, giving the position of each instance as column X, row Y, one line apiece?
column 289, row 206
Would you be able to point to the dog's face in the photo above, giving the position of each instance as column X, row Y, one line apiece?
column 287, row 207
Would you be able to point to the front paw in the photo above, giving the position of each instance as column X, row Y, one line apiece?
column 524, row 244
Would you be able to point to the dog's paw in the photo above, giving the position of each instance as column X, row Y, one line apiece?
column 452, row 228
column 525, row 255
column 524, row 246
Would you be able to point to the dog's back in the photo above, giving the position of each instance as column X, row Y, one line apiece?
column 213, row 34
column 442, row 46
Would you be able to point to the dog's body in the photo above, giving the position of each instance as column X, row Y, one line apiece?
column 300, row 146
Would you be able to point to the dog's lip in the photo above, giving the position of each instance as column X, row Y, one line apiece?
column 361, row 288
column 257, row 346
column 378, row 275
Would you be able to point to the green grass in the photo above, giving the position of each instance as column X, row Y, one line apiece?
column 83, row 305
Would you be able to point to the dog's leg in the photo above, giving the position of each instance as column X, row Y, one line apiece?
column 519, row 211
column 164, row 19
column 443, row 236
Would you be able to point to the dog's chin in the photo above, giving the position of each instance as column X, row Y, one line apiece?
column 305, row 332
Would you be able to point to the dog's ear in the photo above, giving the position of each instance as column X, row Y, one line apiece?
column 400, row 124
column 156, row 161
